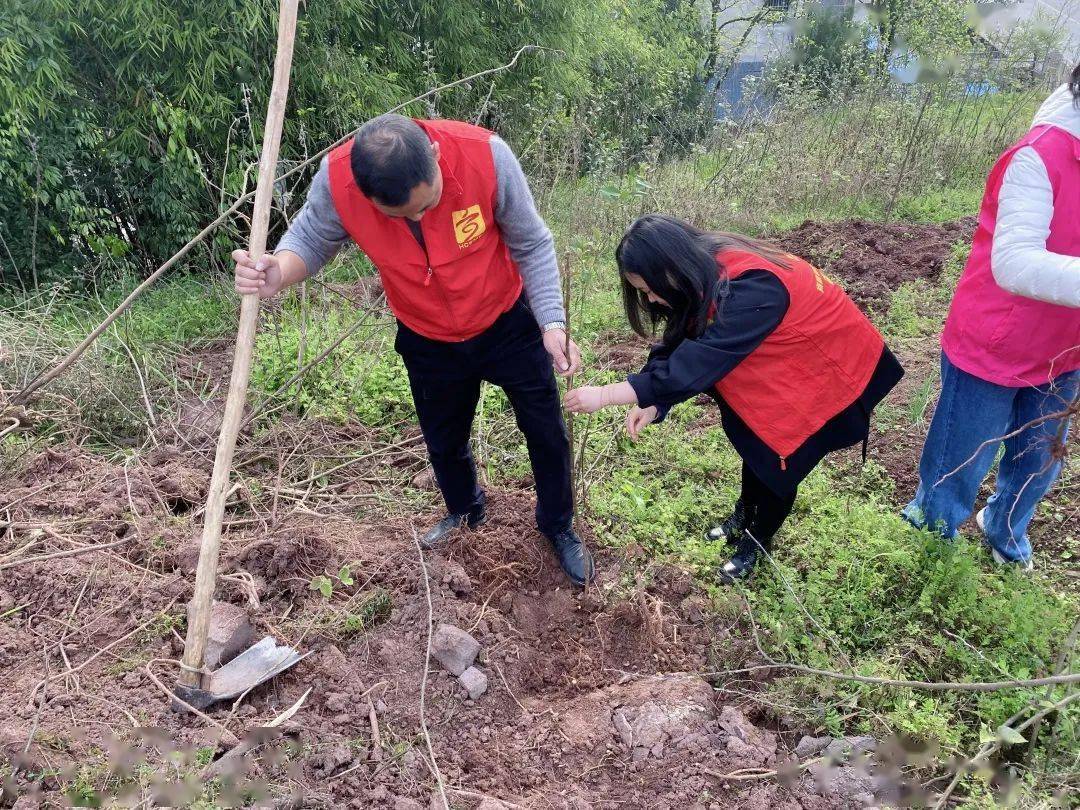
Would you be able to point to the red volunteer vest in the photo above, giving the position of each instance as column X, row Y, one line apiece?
column 814, row 364
column 465, row 279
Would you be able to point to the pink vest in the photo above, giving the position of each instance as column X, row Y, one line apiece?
column 1004, row 338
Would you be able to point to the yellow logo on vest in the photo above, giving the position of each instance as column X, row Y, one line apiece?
column 469, row 225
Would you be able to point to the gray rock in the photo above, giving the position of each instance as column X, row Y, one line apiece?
column 403, row 803
column 474, row 681
column 849, row 748
column 812, row 746
column 489, row 803
column 453, row 648
column 743, row 738
column 649, row 729
column 845, row 782
column 230, row 634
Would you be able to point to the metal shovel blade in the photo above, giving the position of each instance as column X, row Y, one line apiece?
column 257, row 664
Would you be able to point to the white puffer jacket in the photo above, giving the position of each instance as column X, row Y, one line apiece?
column 1020, row 261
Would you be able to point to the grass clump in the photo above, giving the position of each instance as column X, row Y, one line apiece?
column 363, row 380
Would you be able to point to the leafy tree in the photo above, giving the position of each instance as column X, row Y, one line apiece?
column 829, row 50
column 126, row 125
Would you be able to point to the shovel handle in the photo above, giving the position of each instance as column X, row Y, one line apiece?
column 206, row 574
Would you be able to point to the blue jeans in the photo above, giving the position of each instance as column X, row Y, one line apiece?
column 970, row 412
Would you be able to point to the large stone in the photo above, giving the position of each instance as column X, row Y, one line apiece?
column 453, row 648
column 812, row 746
column 474, row 681
column 663, row 720
column 849, row 748
column 230, row 634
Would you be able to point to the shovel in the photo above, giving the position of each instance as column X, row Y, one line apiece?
column 265, row 659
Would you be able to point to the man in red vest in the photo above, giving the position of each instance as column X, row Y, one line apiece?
column 445, row 214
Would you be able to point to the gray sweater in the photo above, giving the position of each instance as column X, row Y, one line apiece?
column 316, row 233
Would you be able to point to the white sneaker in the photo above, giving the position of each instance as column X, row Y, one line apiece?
column 1027, row 566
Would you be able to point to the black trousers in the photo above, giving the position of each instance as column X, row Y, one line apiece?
column 765, row 510
column 445, row 380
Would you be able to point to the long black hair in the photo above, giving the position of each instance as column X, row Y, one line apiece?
column 678, row 262
column 1074, row 84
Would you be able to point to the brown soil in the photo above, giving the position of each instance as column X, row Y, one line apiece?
column 873, row 259
column 571, row 718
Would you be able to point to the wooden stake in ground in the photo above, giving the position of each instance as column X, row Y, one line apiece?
column 206, row 575
column 566, row 280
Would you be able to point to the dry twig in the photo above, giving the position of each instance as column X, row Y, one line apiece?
column 423, row 680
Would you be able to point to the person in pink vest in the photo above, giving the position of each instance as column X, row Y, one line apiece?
column 1010, row 363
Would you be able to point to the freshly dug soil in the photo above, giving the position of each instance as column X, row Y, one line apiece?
column 573, row 716
column 874, row 259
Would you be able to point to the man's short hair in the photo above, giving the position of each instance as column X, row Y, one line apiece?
column 390, row 157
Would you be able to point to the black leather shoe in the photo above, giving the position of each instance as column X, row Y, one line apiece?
column 746, row 556
column 732, row 528
column 575, row 558
column 440, row 533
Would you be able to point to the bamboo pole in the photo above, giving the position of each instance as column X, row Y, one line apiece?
column 567, row 280
column 206, row 574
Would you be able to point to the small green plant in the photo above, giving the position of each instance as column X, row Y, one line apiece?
column 920, row 401
column 373, row 610
column 324, row 584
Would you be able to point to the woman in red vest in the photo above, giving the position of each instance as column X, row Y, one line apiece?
column 794, row 365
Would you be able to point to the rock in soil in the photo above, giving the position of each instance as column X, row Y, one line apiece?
column 847, row 782
column 474, row 681
column 230, row 634
column 453, row 648
column 812, row 746
column 849, row 748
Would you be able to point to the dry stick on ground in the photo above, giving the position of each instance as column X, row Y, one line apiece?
column 70, row 553
column 929, row 686
column 44, row 681
column 750, row 774
column 990, row 747
column 46, row 377
column 423, row 680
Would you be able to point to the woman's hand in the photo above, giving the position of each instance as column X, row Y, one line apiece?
column 638, row 418
column 586, row 399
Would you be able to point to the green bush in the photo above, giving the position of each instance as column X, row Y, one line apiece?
column 127, row 125
column 362, row 380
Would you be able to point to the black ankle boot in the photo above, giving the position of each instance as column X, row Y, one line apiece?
column 732, row 528
column 438, row 535
column 747, row 551
column 574, row 556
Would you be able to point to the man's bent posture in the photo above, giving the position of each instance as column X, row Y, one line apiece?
column 445, row 214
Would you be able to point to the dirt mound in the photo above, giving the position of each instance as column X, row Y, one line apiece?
column 574, row 714
column 872, row 259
